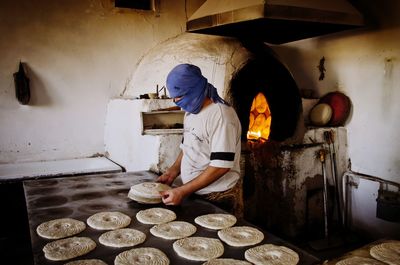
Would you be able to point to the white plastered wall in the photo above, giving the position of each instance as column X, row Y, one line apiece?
column 78, row 55
column 363, row 64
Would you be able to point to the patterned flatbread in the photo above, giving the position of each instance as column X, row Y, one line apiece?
column 226, row 262
column 199, row 248
column 60, row 228
column 143, row 200
column 216, row 221
column 155, row 216
column 359, row 261
column 86, row 262
column 269, row 254
column 388, row 252
column 173, row 230
column 147, row 192
column 108, row 220
column 145, row 256
column 125, row 237
column 241, row 236
column 68, row 248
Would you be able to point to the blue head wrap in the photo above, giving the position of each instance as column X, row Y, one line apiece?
column 186, row 81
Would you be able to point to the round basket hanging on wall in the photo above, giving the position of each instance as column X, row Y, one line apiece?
column 341, row 106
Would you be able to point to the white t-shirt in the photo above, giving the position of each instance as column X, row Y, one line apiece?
column 211, row 137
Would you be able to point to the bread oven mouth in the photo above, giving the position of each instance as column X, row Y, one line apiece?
column 266, row 97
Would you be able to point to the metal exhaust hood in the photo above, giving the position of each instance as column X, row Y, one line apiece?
column 274, row 21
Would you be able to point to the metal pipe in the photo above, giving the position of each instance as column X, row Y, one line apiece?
column 345, row 184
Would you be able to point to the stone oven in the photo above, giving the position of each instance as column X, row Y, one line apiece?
column 282, row 176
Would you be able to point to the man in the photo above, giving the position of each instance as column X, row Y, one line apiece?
column 210, row 151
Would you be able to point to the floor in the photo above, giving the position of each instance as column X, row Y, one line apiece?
column 15, row 246
column 338, row 242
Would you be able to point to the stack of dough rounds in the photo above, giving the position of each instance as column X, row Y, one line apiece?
column 271, row 255
column 241, row 236
column 226, row 262
column 359, row 261
column 173, row 230
column 216, row 221
column 388, row 252
column 147, row 192
column 155, row 216
column 125, row 237
column 87, row 262
column 108, row 220
column 147, row 256
column 68, row 248
column 199, row 248
column 60, row 228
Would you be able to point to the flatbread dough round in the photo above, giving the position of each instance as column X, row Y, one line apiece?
column 155, row 216
column 388, row 252
column 108, row 220
column 226, row 262
column 143, row 200
column 68, row 248
column 86, row 262
column 199, row 248
column 125, row 237
column 60, row 228
column 269, row 254
column 147, row 192
column 241, row 236
column 359, row 261
column 145, row 256
column 173, row 230
column 216, row 221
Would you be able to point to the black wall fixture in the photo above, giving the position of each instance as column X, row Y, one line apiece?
column 135, row 4
column 21, row 81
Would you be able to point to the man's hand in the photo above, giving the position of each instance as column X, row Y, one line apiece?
column 169, row 176
column 172, row 196
column 171, row 173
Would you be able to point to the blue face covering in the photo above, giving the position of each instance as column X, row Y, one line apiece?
column 186, row 81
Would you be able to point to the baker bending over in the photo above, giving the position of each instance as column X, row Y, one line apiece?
column 210, row 151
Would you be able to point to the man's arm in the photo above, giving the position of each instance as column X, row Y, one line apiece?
column 209, row 175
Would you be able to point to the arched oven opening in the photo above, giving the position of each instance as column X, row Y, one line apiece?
column 264, row 76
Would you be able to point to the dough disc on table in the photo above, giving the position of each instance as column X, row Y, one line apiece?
column 108, row 220
column 145, row 256
column 226, row 262
column 199, row 248
column 86, row 262
column 155, row 216
column 147, row 192
column 241, row 236
column 269, row 254
column 125, row 237
column 359, row 261
column 143, row 200
column 60, row 228
column 173, row 230
column 216, row 221
column 68, row 248
column 388, row 252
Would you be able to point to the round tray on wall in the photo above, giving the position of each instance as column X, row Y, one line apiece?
column 341, row 106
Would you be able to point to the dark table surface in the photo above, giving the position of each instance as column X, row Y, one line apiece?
column 79, row 197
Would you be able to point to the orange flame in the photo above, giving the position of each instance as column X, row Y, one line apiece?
column 260, row 119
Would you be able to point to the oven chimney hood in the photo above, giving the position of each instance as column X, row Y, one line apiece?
column 274, row 21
